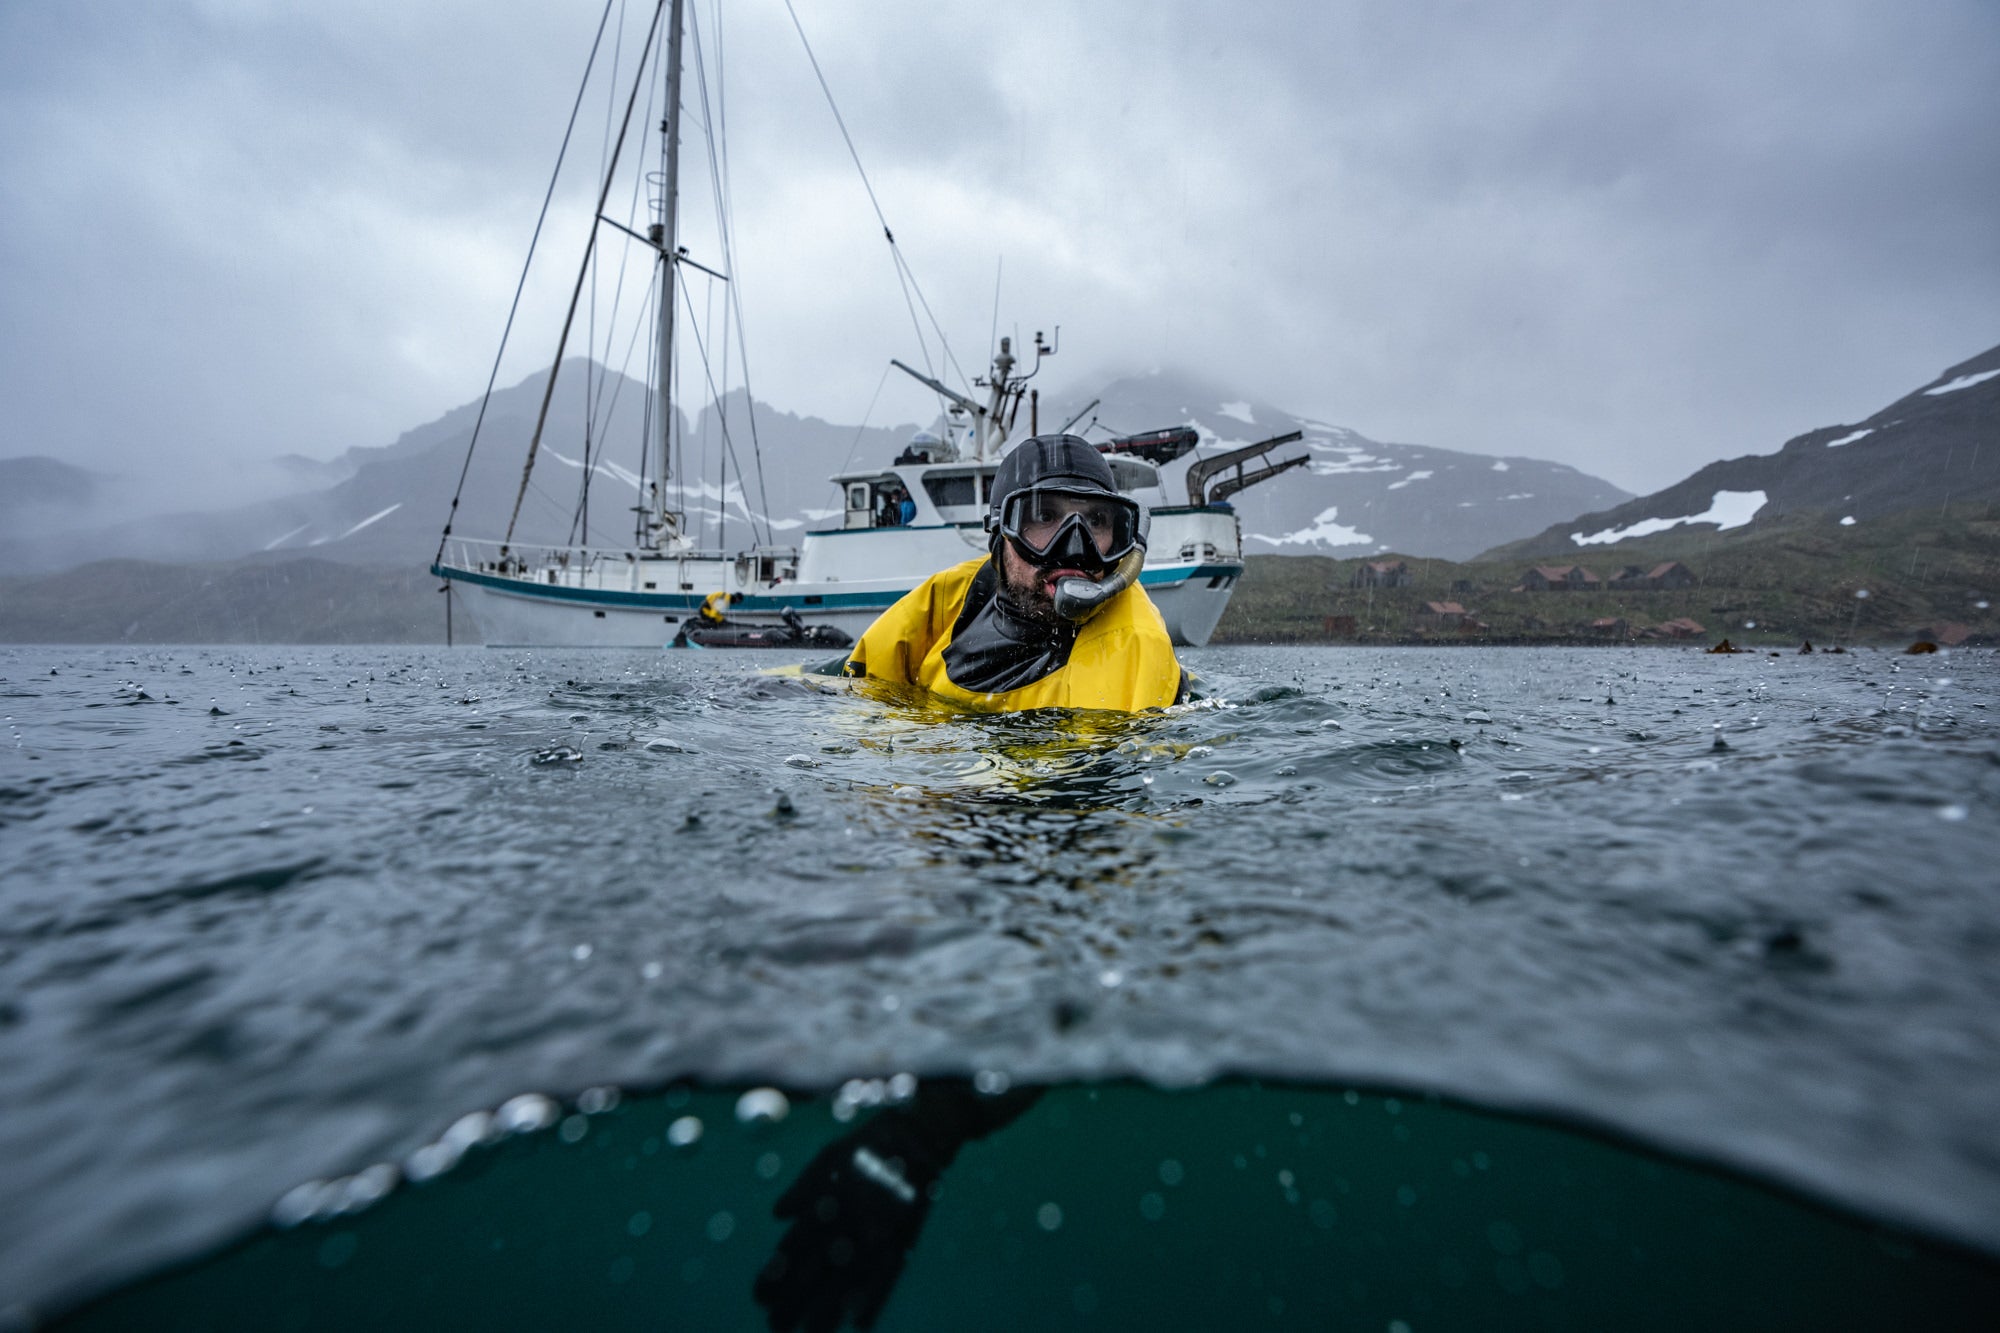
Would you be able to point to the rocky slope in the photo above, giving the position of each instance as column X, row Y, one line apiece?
column 1936, row 448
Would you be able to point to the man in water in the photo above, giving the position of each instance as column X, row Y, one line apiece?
column 1053, row 616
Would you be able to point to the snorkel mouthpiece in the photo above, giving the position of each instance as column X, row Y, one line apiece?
column 1078, row 599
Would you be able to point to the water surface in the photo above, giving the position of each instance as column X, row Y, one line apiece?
column 274, row 914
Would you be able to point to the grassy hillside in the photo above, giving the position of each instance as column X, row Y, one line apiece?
column 1792, row 581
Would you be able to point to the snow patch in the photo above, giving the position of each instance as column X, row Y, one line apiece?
column 1519, row 495
column 1500, row 465
column 1850, row 439
column 1414, row 476
column 1239, row 411
column 602, row 467
column 1962, row 382
column 371, row 519
column 1728, row 509
column 1847, row 522
column 1356, row 464
column 1323, row 532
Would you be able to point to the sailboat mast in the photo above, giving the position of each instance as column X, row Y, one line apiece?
column 670, row 127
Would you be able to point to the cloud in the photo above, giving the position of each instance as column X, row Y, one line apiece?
column 1632, row 240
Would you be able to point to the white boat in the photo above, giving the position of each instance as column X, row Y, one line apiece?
column 844, row 574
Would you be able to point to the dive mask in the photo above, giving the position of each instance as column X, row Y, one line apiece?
column 1053, row 527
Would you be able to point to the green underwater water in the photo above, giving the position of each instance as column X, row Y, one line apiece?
column 1105, row 1206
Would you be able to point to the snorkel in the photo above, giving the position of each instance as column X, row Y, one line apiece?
column 1078, row 599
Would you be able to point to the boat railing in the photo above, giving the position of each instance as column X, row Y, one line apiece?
column 517, row 559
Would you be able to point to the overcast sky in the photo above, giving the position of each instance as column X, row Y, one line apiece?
column 1629, row 238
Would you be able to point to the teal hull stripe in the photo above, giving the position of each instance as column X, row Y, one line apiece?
column 685, row 603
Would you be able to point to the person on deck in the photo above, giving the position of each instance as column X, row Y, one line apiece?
column 1053, row 616
column 906, row 508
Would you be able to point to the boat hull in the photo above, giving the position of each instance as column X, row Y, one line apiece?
column 503, row 611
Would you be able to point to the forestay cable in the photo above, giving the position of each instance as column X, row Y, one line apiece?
column 522, row 285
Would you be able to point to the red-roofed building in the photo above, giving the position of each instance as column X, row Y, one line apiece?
column 1440, row 615
column 1560, row 578
column 1381, row 574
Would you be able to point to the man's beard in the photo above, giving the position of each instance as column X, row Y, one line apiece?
column 1031, row 604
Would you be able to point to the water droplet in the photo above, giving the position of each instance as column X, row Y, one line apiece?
column 990, row 1082
column 1286, row 1179
column 1171, row 1172
column 1288, row 770
column 684, row 1132
column 801, row 761
column 556, row 755
column 525, row 1114
column 650, row 971
column 1953, row 814
column 367, row 1187
column 1110, row 978
column 302, row 1203
column 762, row 1106
column 596, row 1101
column 721, row 1227
column 1049, row 1217
column 430, row 1161
column 581, row 953
column 470, row 1129
column 902, row 1087
column 1152, row 1207
column 1220, row 778
column 573, row 1129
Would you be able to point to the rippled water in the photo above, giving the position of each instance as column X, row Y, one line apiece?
column 274, row 914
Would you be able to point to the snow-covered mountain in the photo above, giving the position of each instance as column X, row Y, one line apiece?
column 1355, row 496
column 1936, row 448
column 386, row 505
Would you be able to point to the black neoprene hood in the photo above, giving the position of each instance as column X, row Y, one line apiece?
column 1064, row 462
